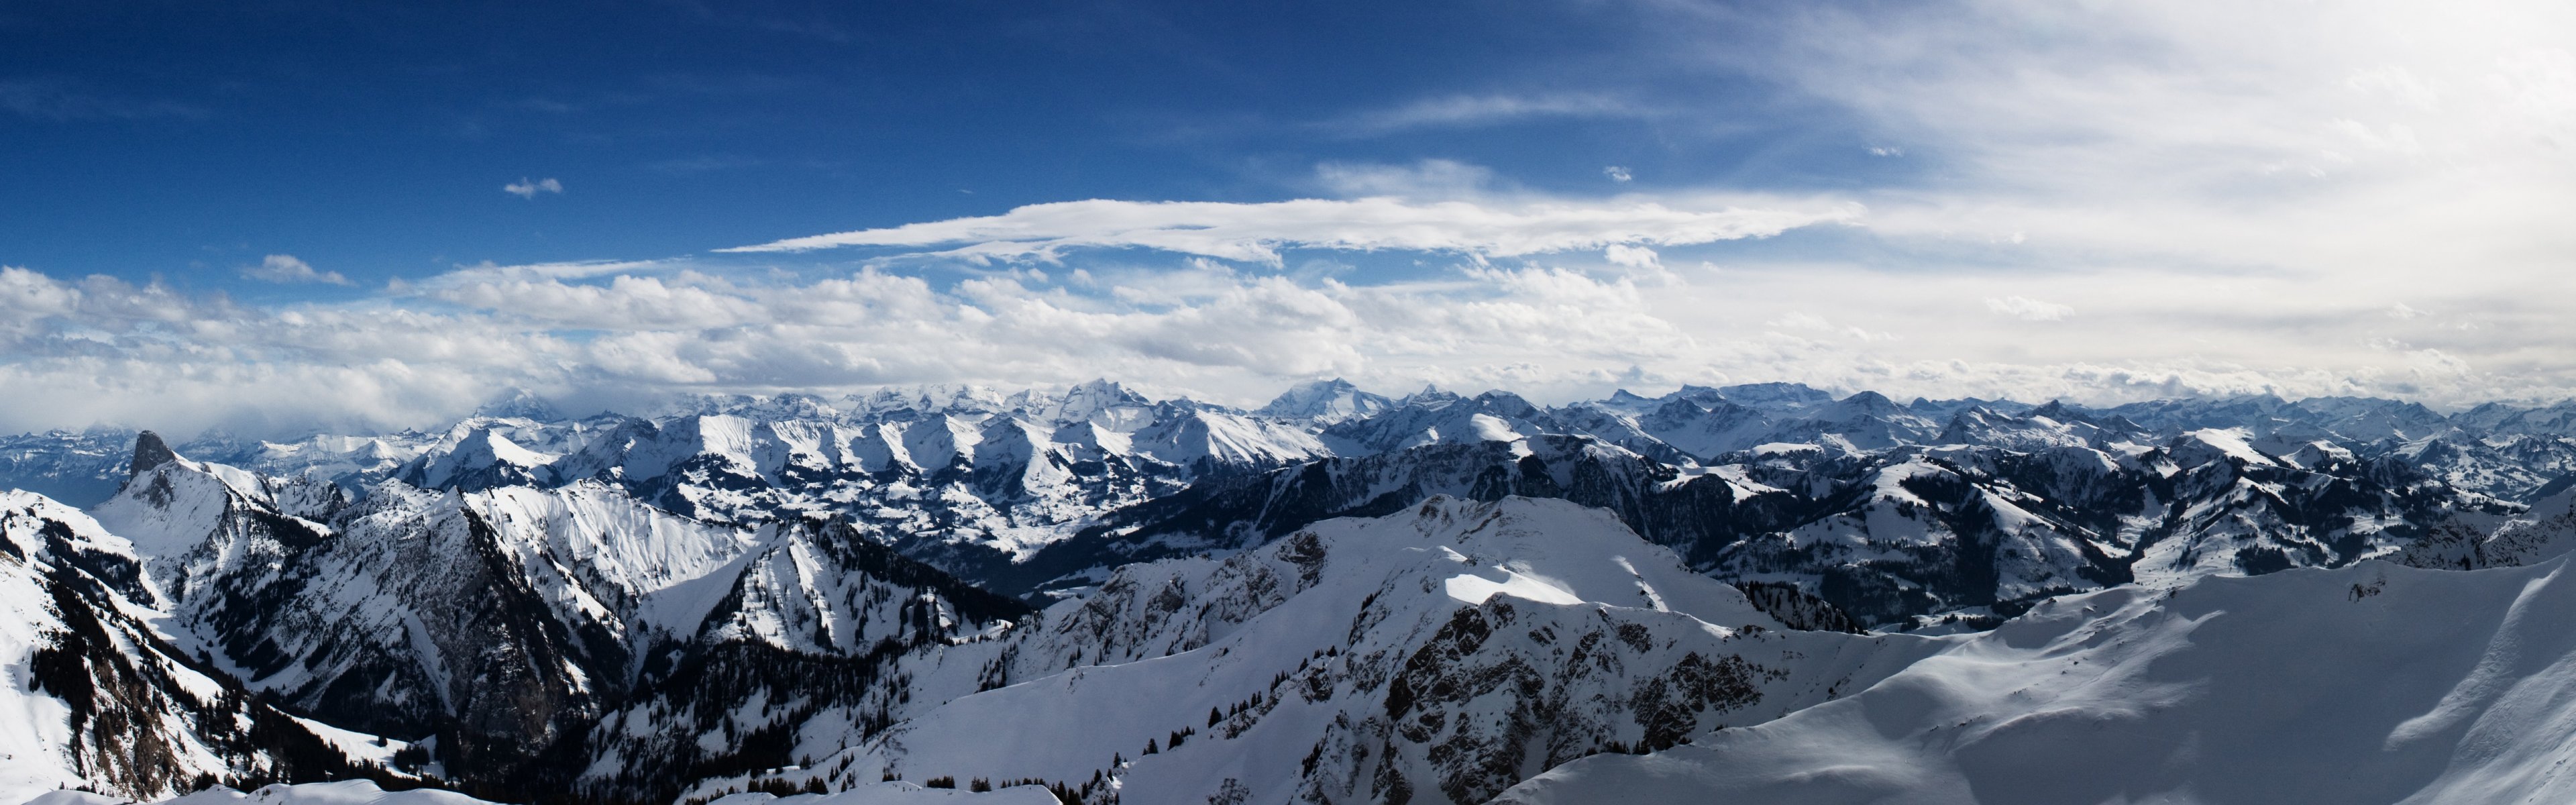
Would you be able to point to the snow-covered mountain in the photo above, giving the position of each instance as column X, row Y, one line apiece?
column 504, row 622
column 1438, row 654
column 1337, row 597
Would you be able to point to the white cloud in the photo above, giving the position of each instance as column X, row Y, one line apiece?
column 1455, row 111
column 99, row 350
column 529, row 190
column 1800, row 320
column 1256, row 232
column 287, row 268
column 2277, row 137
column 1428, row 179
column 1632, row 256
column 2028, row 309
column 1618, row 174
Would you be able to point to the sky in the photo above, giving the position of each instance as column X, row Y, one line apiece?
column 281, row 217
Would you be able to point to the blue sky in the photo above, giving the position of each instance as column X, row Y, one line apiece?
column 276, row 217
column 183, row 140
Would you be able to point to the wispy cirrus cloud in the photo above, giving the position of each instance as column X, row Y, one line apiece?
column 1461, row 111
column 58, row 100
column 1257, row 232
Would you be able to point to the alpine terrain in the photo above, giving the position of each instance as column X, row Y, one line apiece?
column 1765, row 593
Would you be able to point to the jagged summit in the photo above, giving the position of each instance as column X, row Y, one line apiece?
column 149, row 452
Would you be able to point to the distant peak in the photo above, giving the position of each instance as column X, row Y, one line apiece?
column 1330, row 400
column 519, row 403
column 2062, row 412
column 1430, row 394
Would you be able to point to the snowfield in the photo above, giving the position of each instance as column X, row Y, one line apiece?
column 2377, row 683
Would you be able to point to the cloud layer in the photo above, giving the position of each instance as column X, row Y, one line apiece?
column 102, row 351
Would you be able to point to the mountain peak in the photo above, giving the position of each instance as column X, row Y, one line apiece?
column 2058, row 410
column 149, row 452
column 1866, row 403
column 1329, row 400
column 1430, row 395
column 1093, row 400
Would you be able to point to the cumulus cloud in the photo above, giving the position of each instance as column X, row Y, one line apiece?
column 2028, row 309
column 287, row 268
column 529, row 190
column 1256, row 232
column 1618, row 174
column 1632, row 256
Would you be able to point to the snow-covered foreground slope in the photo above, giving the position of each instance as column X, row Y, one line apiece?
column 1439, row 654
column 2376, row 683
column 93, row 694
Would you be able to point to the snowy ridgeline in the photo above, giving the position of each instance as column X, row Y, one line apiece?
column 1499, row 609
column 1877, row 507
column 1010, row 471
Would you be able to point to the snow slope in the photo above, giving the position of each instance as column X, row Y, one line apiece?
column 2374, row 683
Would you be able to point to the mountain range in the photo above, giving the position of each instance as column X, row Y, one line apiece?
column 1092, row 596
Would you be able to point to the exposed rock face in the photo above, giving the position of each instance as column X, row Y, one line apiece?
column 149, row 452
